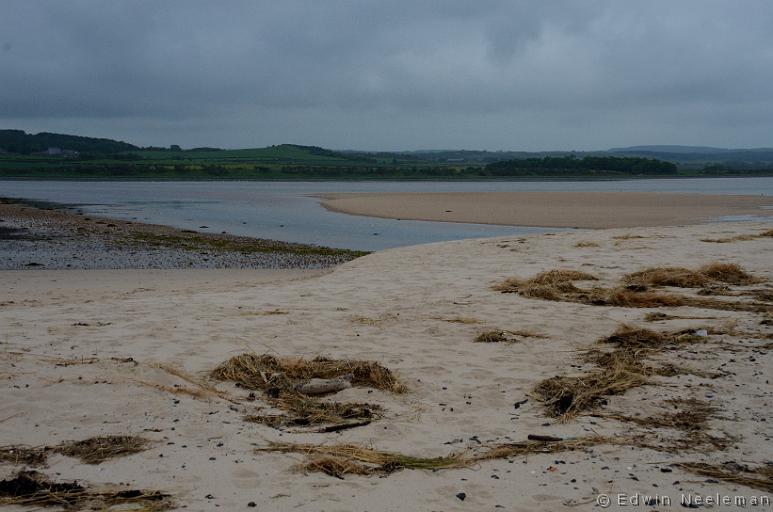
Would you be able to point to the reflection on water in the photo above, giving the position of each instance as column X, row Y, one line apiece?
column 285, row 210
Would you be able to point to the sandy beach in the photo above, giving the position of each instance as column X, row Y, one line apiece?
column 130, row 352
column 551, row 209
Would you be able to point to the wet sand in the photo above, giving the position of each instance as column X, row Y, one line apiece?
column 551, row 209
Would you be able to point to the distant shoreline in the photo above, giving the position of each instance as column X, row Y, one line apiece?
column 45, row 235
column 589, row 210
column 470, row 179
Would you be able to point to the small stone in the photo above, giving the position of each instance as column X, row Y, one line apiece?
column 252, row 504
column 462, row 496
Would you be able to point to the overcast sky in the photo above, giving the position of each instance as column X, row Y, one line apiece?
column 398, row 74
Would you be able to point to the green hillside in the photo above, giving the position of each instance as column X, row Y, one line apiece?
column 57, row 156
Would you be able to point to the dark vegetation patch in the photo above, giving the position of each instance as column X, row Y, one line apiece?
column 30, row 488
column 244, row 245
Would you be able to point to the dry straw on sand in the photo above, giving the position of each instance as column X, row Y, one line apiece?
column 505, row 336
column 343, row 459
column 30, row 488
column 618, row 371
column 713, row 273
column 94, row 450
column 280, row 379
column 739, row 238
column 734, row 473
column 559, row 285
column 253, row 371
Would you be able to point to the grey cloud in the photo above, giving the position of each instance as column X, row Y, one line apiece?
column 384, row 75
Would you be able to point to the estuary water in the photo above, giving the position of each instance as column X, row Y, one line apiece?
column 288, row 211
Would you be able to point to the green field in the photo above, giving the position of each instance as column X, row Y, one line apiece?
column 22, row 156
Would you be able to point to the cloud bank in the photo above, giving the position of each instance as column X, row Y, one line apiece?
column 392, row 75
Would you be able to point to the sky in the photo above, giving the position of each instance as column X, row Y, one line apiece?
column 392, row 75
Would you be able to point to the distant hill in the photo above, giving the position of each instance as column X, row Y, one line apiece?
column 17, row 141
column 664, row 148
column 53, row 155
column 695, row 156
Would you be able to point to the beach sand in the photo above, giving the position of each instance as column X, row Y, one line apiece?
column 551, row 209
column 415, row 310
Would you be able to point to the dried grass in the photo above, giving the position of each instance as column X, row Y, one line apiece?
column 565, row 397
column 94, row 450
column 657, row 316
column 99, row 449
column 505, row 336
column 558, row 285
column 756, row 478
column 342, row 459
column 302, row 411
column 24, row 455
column 628, row 236
column 710, row 274
column 631, row 338
column 30, row 488
column 279, row 378
column 458, row 320
column 739, row 238
column 253, row 371
column 690, row 415
column 549, row 285
column 586, row 243
column 618, row 371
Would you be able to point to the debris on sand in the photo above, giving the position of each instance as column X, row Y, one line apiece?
column 559, row 285
column 586, row 243
column 707, row 275
column 618, row 371
column 565, row 397
column 505, row 336
column 690, row 416
column 23, row 455
column 253, row 371
column 739, row 238
column 756, row 478
column 351, row 459
column 658, row 316
column 627, row 337
column 287, row 382
column 301, row 411
column 30, row 488
column 549, row 285
column 94, row 450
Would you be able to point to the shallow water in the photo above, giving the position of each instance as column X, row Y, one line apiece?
column 285, row 210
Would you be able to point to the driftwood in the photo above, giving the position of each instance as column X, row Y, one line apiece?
column 342, row 426
column 313, row 387
column 545, row 439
